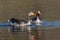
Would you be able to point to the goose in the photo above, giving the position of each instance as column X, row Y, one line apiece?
column 37, row 19
column 17, row 23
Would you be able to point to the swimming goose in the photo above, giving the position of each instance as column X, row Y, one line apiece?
column 37, row 19
column 17, row 23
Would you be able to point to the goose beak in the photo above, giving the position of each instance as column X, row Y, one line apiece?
column 31, row 14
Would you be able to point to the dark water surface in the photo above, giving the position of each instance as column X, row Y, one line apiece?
column 5, row 35
column 47, row 28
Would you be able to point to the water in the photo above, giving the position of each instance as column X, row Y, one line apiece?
column 4, row 24
column 42, row 24
column 48, row 24
column 20, row 35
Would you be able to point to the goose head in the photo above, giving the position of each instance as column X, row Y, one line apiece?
column 31, row 14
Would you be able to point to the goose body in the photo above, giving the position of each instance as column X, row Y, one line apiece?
column 16, row 22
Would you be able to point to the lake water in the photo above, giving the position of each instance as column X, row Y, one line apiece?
column 42, row 24
column 48, row 24
column 45, row 32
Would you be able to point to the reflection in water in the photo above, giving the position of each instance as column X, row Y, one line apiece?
column 43, row 24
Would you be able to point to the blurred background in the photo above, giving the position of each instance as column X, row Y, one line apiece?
column 50, row 9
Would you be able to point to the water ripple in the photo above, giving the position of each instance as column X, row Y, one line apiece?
column 43, row 24
column 48, row 24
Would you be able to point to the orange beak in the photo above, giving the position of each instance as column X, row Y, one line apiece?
column 31, row 14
